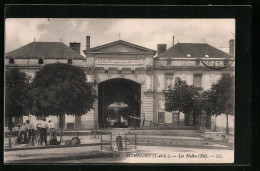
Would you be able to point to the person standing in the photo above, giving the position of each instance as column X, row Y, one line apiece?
column 22, row 134
column 43, row 131
column 31, row 133
column 52, row 130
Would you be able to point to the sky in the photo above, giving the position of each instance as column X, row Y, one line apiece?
column 143, row 32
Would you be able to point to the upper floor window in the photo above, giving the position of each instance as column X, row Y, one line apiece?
column 169, row 62
column 40, row 61
column 168, row 81
column 197, row 81
column 70, row 61
column 226, row 74
column 11, row 61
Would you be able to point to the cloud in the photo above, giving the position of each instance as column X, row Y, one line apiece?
column 19, row 32
column 143, row 32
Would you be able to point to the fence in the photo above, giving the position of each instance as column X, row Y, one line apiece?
column 110, row 142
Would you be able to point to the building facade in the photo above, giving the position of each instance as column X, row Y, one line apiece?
column 123, row 72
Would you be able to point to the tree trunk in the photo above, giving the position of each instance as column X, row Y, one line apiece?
column 215, row 125
column 61, row 121
column 227, row 128
column 179, row 118
column 10, row 125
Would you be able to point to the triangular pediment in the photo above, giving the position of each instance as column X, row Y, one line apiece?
column 121, row 46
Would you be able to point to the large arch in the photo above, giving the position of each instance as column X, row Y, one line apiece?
column 138, row 78
column 119, row 90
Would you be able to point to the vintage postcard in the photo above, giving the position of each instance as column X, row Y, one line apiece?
column 96, row 90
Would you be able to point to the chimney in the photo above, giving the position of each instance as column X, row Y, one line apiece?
column 232, row 47
column 75, row 46
column 172, row 40
column 161, row 48
column 87, row 43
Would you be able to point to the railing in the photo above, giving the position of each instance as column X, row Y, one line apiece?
column 110, row 142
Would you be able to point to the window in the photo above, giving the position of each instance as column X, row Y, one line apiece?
column 212, row 78
column 161, row 117
column 169, row 62
column 40, row 61
column 197, row 81
column 11, row 61
column 188, row 55
column 70, row 61
column 226, row 75
column 183, row 77
column 168, row 81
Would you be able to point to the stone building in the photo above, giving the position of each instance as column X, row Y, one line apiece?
column 126, row 73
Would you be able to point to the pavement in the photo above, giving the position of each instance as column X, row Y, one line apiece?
column 143, row 154
column 156, row 142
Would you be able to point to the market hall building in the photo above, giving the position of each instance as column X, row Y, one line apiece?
column 130, row 76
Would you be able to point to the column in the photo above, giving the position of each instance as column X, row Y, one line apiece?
column 147, row 105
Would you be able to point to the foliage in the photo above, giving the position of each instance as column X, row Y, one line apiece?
column 16, row 94
column 111, row 113
column 125, row 112
column 221, row 97
column 181, row 97
column 60, row 88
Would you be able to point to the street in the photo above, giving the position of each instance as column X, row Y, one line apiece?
column 171, row 146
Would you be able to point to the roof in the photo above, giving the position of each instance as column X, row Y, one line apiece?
column 131, row 48
column 46, row 50
column 195, row 50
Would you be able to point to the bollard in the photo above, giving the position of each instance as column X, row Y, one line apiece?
column 111, row 141
column 101, row 141
column 61, row 138
column 10, row 143
column 135, row 142
column 125, row 142
column 119, row 143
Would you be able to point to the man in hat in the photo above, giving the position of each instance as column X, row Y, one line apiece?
column 52, row 129
column 43, row 131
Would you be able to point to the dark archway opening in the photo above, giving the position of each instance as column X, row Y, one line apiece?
column 119, row 91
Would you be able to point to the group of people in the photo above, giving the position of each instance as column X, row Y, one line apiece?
column 27, row 132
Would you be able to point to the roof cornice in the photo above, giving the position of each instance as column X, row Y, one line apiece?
column 118, row 42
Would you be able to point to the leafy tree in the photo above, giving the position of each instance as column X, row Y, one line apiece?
column 180, row 98
column 111, row 113
column 60, row 89
column 221, row 98
column 125, row 112
column 16, row 95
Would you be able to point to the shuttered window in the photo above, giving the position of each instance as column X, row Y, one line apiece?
column 169, row 62
column 168, row 81
column 40, row 61
column 11, row 61
column 161, row 117
column 197, row 80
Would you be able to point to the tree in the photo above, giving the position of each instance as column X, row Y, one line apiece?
column 125, row 112
column 60, row 89
column 180, row 98
column 221, row 98
column 16, row 95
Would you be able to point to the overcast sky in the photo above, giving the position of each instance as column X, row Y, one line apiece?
column 143, row 32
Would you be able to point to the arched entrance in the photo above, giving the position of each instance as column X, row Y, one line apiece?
column 115, row 92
